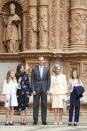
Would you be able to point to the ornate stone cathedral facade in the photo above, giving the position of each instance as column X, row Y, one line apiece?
column 56, row 29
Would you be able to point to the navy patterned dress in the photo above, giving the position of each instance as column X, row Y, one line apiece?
column 23, row 91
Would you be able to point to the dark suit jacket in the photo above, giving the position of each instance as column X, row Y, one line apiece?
column 37, row 83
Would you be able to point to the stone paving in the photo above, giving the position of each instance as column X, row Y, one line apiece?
column 43, row 128
column 50, row 127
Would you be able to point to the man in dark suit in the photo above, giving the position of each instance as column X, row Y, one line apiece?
column 40, row 82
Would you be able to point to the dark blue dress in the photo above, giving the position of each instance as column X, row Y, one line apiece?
column 23, row 92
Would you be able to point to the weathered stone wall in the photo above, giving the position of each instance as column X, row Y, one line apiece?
column 56, row 29
column 45, row 23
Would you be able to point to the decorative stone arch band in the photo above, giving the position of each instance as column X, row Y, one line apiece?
column 22, row 3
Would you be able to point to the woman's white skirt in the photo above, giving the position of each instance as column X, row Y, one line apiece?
column 58, row 101
column 11, row 101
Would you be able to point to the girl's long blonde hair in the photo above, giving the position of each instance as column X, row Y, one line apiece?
column 8, row 77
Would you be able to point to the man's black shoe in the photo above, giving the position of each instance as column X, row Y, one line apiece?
column 44, row 123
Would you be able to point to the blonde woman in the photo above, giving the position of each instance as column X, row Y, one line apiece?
column 58, row 92
column 9, row 91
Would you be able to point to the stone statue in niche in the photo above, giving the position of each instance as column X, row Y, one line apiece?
column 12, row 31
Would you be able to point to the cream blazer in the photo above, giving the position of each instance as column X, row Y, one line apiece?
column 58, row 85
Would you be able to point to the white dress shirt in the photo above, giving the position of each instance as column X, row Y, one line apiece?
column 74, row 82
column 41, row 71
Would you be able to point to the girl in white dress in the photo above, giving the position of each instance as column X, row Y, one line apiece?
column 58, row 92
column 9, row 91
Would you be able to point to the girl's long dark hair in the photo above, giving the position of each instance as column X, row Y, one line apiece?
column 72, row 73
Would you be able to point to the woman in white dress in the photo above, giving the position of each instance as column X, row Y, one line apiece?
column 9, row 91
column 58, row 92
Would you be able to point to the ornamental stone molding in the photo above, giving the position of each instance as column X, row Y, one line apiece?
column 23, row 3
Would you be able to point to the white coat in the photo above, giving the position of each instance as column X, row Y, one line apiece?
column 9, row 90
column 58, row 85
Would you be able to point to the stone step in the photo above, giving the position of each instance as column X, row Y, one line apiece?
column 50, row 120
column 49, row 113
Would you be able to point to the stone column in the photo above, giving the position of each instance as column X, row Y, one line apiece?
column 24, row 30
column 2, row 44
column 78, row 25
column 43, row 24
column 33, row 24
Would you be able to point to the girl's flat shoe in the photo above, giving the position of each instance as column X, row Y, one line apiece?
column 70, row 124
column 21, row 123
column 24, row 123
column 11, row 124
column 75, row 123
column 6, row 124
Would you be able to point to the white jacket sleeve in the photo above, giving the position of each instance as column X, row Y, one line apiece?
column 70, row 86
column 65, row 83
column 4, row 91
column 16, row 84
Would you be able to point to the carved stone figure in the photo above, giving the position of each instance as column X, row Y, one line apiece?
column 12, row 31
column 43, row 31
column 33, row 32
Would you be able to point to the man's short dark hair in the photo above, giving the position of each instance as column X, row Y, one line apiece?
column 40, row 57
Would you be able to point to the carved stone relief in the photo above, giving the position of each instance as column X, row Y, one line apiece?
column 43, row 27
column 64, row 24
column 84, row 75
column 59, row 23
column 78, row 28
column 12, row 31
column 33, row 28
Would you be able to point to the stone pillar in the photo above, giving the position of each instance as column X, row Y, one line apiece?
column 2, row 46
column 33, row 24
column 54, row 24
column 78, row 25
column 24, row 30
column 43, row 24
